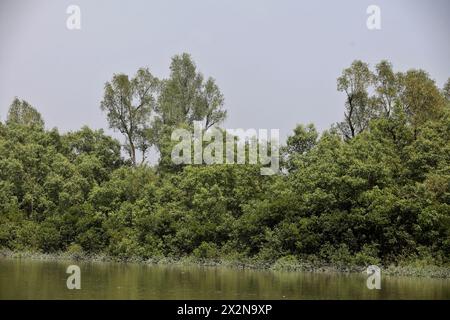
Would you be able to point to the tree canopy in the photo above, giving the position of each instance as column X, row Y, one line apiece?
column 373, row 189
column 22, row 113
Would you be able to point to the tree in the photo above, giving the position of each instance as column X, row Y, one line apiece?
column 386, row 87
column 213, row 101
column 355, row 81
column 301, row 142
column 446, row 90
column 420, row 97
column 90, row 142
column 185, row 97
column 180, row 99
column 21, row 112
column 128, row 103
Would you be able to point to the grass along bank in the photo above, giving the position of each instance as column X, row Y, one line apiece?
column 412, row 267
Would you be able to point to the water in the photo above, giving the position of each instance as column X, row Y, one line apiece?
column 28, row 279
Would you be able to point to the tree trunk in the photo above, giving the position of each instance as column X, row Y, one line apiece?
column 132, row 151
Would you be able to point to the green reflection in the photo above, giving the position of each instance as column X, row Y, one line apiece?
column 28, row 279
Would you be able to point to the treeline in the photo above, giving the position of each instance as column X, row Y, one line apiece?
column 374, row 188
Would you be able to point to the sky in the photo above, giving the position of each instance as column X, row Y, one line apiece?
column 276, row 62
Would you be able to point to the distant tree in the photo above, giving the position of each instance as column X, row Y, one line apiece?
column 386, row 87
column 420, row 97
column 180, row 99
column 21, row 112
column 301, row 142
column 446, row 90
column 128, row 104
column 213, row 101
column 355, row 81
column 185, row 97
column 413, row 91
column 90, row 142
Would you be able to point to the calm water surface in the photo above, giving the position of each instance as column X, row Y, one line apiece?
column 28, row 279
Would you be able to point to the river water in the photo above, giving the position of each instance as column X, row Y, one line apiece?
column 32, row 279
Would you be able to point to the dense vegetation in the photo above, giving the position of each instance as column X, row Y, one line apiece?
column 374, row 188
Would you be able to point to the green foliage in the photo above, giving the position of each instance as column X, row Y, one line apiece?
column 446, row 90
column 128, row 104
column 354, row 82
column 303, row 140
column 206, row 250
column 146, row 110
column 380, row 195
column 22, row 113
column 413, row 92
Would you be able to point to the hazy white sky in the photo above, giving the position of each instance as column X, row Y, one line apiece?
column 275, row 61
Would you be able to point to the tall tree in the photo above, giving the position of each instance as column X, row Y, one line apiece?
column 185, row 97
column 420, row 97
column 180, row 99
column 386, row 87
column 128, row 104
column 213, row 101
column 355, row 81
column 21, row 112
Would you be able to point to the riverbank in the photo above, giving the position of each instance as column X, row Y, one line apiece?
column 407, row 269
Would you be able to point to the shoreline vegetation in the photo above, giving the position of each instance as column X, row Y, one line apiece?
column 373, row 189
column 412, row 268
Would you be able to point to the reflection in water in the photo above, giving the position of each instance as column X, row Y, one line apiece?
column 27, row 279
